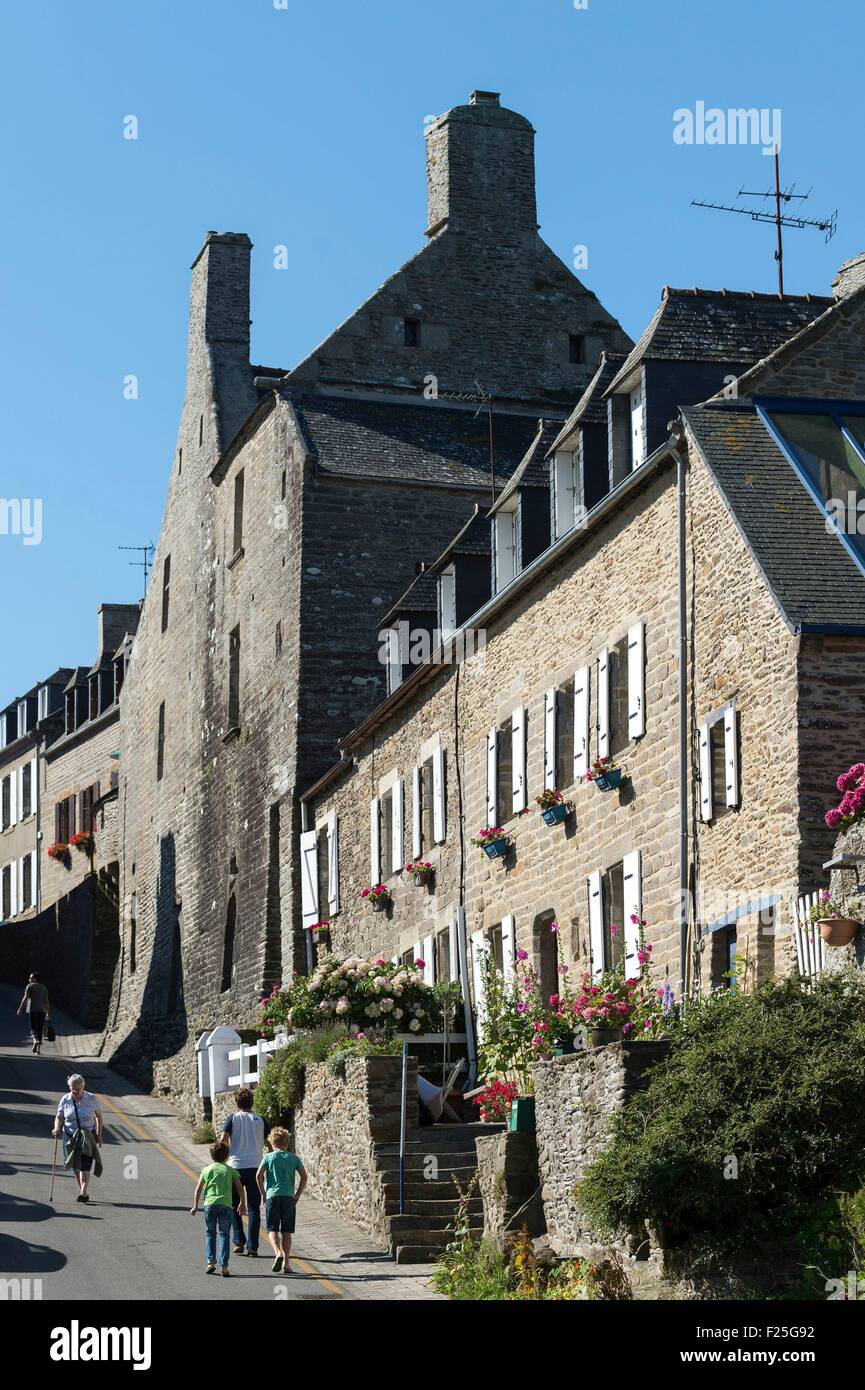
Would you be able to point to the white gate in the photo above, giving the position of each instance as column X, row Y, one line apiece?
column 810, row 950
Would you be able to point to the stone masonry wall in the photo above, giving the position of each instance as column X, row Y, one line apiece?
column 509, row 1183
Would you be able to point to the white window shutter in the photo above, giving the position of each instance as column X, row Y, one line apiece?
column 603, row 703
column 13, row 799
column 637, row 681
column 374, row 844
column 454, row 950
column 332, row 863
column 731, row 756
column 596, row 922
column 633, row 907
column 13, row 888
column 509, row 947
column 479, row 947
column 705, row 774
column 22, row 905
column 505, row 549
column 397, row 846
column 20, row 775
column 34, row 785
column 518, row 780
column 564, row 492
column 581, row 723
column 439, row 819
column 417, row 954
column 492, row 775
column 309, row 878
column 415, row 814
column 33, row 879
column 428, row 954
column 550, row 740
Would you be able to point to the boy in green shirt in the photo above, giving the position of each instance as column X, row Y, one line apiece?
column 216, row 1182
column 275, row 1178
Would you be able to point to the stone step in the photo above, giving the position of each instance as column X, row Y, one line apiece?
column 432, row 1207
column 442, row 1191
column 417, row 1254
column 424, row 1227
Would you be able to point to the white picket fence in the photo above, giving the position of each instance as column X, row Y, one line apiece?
column 810, row 950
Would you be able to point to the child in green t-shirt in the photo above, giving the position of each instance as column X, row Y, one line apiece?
column 275, row 1178
column 216, row 1182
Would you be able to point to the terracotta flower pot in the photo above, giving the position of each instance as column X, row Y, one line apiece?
column 838, row 931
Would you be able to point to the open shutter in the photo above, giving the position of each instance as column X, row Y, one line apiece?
column 603, row 703
column 33, row 881
column 478, row 949
column 492, row 775
column 309, row 878
column 596, row 922
column 22, row 810
column 13, row 888
column 518, row 777
column 731, row 756
column 428, row 953
column 397, row 846
column 563, row 476
column 34, row 786
column 22, row 903
column 637, row 681
column 13, row 798
column 705, row 774
column 454, row 950
column 550, row 740
column 332, row 864
column 374, row 844
column 509, row 947
column 633, row 907
column 581, row 723
column 415, row 814
column 439, row 823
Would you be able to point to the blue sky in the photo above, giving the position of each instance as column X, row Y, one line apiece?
column 303, row 126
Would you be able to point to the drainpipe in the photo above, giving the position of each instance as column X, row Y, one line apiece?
column 467, row 1006
column 683, row 720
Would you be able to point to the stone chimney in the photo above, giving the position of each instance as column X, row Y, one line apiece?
column 481, row 172
column 850, row 277
column 219, row 330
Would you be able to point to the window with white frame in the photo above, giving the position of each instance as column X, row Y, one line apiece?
column 615, row 907
column 719, row 763
column 505, row 546
column 6, row 803
column 447, row 600
column 6, row 734
column 566, row 732
column 428, row 803
column 394, row 660
column 564, row 480
column 43, row 702
column 494, row 946
column 506, row 768
column 6, row 880
column 622, row 692
column 319, row 893
column 638, row 430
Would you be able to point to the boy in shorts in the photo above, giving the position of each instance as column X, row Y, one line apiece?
column 275, row 1178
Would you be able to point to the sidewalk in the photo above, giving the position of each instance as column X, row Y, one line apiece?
column 337, row 1250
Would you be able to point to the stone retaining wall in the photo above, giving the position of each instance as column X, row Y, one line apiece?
column 509, row 1183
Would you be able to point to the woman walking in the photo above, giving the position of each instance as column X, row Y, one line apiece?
column 79, row 1119
column 35, row 1001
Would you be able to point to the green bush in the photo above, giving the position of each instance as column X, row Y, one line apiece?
column 281, row 1085
column 204, row 1133
column 754, row 1123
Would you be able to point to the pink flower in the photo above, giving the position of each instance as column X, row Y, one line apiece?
column 614, row 930
column 521, row 1006
column 833, row 819
column 522, row 955
column 364, row 892
column 420, row 964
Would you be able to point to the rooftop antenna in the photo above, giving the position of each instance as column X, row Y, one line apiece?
column 146, row 560
column 482, row 395
column 829, row 224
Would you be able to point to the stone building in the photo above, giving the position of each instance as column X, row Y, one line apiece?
column 702, row 621
column 300, row 504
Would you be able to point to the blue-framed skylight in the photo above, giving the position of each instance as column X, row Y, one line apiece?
column 825, row 443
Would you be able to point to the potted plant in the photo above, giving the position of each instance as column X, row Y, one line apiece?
column 321, row 929
column 59, row 851
column 605, row 775
column 839, row 921
column 603, row 1007
column 554, row 809
column 495, row 1101
column 851, row 808
column 494, row 841
column 84, row 841
column 420, row 871
column 378, row 895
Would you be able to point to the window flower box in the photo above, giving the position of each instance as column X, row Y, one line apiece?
column 605, row 775
column 85, row 842
column 420, row 872
column 60, row 853
column 839, row 921
column 553, row 807
column 494, row 841
column 378, row 896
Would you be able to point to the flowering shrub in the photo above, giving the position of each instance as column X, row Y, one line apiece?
column 58, row 851
column 827, row 906
column 419, row 867
column 600, row 767
column 320, row 927
column 373, row 1043
column 495, row 1100
column 376, row 893
column 549, row 798
column 355, row 992
column 488, row 834
column 610, row 1002
column 84, row 841
column 851, row 807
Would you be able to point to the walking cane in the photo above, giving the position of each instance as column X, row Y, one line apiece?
column 53, row 1166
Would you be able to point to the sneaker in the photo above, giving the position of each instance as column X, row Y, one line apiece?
column 276, row 1267
column 252, row 1254
column 225, row 1272
column 239, row 1249
column 210, row 1269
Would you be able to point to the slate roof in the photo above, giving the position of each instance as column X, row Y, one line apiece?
column 421, row 596
column 423, row 442
column 533, row 470
column 812, row 576
column 734, row 326
column 591, row 408
column 474, row 538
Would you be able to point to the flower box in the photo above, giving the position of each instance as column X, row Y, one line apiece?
column 493, row 840
column 838, row 931
column 420, row 873
column 85, row 842
column 608, row 781
column 379, row 902
column 378, row 896
column 555, row 815
column 521, row 1120
column 60, row 853
column 497, row 849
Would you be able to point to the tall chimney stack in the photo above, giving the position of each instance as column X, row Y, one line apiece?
column 481, row 172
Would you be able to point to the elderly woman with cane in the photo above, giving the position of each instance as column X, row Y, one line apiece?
column 79, row 1119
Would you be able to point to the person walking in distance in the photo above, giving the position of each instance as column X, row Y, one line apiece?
column 244, row 1134
column 275, row 1180
column 38, row 1006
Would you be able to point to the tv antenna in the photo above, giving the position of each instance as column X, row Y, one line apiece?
column 146, row 561
column 482, row 395
column 828, row 224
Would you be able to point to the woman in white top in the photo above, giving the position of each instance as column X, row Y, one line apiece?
column 78, row 1109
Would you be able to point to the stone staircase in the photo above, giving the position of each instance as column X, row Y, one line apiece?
column 435, row 1157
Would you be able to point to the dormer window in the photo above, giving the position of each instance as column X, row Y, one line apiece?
column 94, row 697
column 394, row 664
column 638, row 426
column 411, row 333
column 505, row 547
column 43, row 702
column 23, row 721
column 5, row 726
column 447, row 603
column 564, row 493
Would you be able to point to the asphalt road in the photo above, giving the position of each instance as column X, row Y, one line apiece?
column 135, row 1239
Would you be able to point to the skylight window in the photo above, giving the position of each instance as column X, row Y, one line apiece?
column 825, row 442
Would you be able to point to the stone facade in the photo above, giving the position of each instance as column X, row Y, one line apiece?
column 510, row 1185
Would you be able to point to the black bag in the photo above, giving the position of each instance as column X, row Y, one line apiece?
column 50, row 1035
